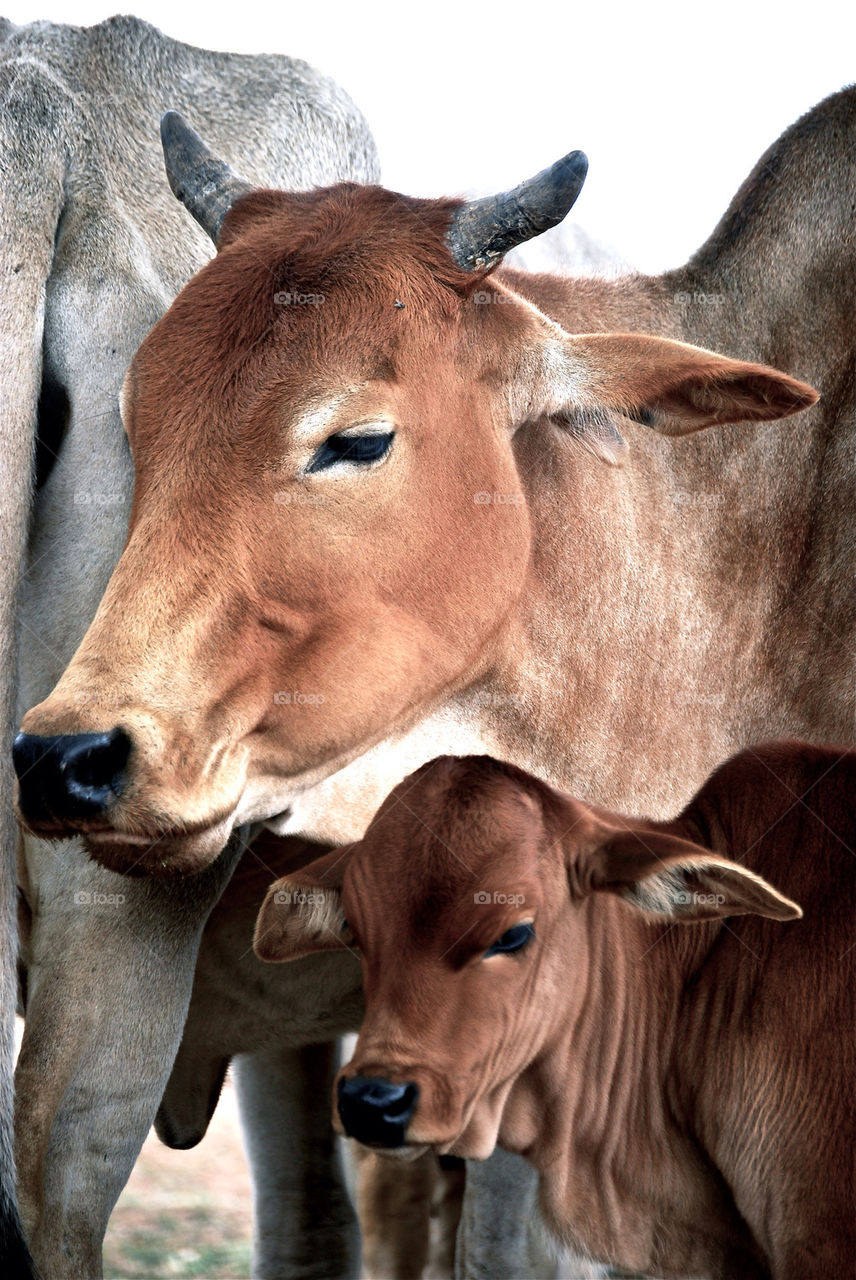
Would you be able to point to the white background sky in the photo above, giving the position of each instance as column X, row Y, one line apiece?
column 673, row 104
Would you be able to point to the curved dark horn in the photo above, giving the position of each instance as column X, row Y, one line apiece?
column 206, row 186
column 483, row 230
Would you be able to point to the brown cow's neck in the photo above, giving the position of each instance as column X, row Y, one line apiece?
column 611, row 1139
column 750, row 637
column 782, row 257
column 608, row 667
column 776, row 278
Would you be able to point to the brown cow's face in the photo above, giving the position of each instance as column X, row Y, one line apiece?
column 310, row 564
column 329, row 532
column 471, row 902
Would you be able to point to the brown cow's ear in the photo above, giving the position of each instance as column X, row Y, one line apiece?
column 588, row 382
column 675, row 879
column 685, row 388
column 302, row 912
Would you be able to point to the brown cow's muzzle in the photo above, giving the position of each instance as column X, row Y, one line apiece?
column 67, row 777
column 375, row 1111
column 143, row 746
column 400, row 1111
column 90, row 784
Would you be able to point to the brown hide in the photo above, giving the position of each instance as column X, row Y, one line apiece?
column 682, row 1080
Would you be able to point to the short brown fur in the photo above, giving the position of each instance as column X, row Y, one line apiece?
column 685, row 1090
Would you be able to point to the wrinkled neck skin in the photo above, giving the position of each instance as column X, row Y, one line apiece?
column 667, row 598
column 601, row 1115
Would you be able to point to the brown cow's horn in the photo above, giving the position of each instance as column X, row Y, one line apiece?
column 483, row 230
column 206, row 186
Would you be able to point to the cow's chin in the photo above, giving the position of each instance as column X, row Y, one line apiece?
column 168, row 856
column 475, row 1141
column 404, row 1155
column 467, row 1145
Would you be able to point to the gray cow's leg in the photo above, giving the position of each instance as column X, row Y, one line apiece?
column 496, row 1238
column 501, row 1236
column 284, row 1096
column 110, row 968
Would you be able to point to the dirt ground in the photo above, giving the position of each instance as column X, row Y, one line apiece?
column 185, row 1213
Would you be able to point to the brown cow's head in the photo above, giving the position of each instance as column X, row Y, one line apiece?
column 475, row 900
column 311, row 564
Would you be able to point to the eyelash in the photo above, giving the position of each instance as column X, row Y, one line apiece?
column 354, row 449
column 524, row 932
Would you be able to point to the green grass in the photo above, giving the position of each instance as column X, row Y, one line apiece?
column 189, row 1246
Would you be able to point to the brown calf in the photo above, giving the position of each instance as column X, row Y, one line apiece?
column 686, row 1094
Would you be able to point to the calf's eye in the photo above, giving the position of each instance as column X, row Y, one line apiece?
column 370, row 447
column 514, row 939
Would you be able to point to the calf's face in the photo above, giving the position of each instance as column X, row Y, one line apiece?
column 474, row 901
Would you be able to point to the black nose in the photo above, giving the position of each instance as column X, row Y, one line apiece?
column 375, row 1111
column 70, row 776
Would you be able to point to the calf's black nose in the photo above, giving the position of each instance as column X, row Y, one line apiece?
column 375, row 1111
column 70, row 775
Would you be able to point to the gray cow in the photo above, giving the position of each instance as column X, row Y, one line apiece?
column 93, row 248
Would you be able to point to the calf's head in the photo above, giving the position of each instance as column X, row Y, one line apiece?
column 329, row 532
column 475, row 901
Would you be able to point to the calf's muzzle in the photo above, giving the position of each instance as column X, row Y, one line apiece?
column 70, row 776
column 375, row 1111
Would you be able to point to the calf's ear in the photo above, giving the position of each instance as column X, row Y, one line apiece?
column 302, row 912
column 587, row 383
column 671, row 878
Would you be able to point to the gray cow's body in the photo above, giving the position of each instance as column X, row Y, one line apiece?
column 93, row 248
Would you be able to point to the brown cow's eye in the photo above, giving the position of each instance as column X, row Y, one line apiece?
column 355, row 449
column 514, row 939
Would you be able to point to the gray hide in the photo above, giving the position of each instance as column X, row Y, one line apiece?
column 93, row 248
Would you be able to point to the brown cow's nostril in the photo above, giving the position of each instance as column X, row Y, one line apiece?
column 68, row 777
column 375, row 1111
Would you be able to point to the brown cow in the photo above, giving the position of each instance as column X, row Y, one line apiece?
column 687, row 1095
